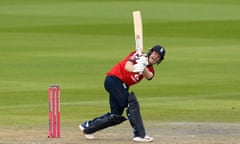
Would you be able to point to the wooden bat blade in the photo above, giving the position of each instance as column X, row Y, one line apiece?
column 138, row 31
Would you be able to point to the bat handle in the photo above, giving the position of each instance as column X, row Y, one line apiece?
column 139, row 46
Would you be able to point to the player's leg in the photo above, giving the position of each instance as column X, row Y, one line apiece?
column 101, row 122
column 118, row 94
column 118, row 101
column 134, row 116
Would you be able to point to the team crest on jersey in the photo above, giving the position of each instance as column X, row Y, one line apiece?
column 135, row 77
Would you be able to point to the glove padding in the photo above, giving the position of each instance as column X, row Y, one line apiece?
column 139, row 67
column 143, row 59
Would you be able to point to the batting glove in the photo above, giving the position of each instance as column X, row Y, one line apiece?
column 143, row 59
column 139, row 67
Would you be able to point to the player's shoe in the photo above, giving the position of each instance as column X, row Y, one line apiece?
column 87, row 136
column 145, row 139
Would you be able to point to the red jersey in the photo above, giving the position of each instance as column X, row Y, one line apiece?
column 129, row 78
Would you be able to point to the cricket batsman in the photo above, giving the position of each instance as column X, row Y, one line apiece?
column 129, row 71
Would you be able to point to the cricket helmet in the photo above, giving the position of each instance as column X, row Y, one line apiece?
column 160, row 50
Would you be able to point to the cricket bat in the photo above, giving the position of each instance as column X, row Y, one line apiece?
column 138, row 31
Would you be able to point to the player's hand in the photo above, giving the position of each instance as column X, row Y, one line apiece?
column 143, row 59
column 139, row 67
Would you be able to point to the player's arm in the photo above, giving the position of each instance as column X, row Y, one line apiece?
column 129, row 66
column 132, row 66
column 147, row 74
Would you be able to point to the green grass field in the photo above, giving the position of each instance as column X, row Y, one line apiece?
column 74, row 43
